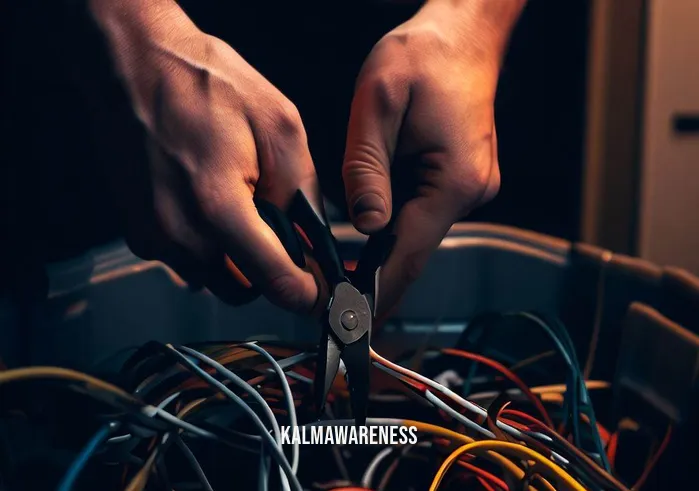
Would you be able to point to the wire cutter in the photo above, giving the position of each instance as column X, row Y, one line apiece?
column 346, row 320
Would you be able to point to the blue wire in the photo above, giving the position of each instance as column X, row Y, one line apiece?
column 579, row 389
column 81, row 460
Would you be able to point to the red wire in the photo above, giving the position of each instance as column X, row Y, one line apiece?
column 485, row 484
column 611, row 448
column 523, row 416
column 507, row 373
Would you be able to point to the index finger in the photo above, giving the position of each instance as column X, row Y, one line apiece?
column 261, row 257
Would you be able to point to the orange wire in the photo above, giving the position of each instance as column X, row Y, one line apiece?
column 507, row 373
column 651, row 465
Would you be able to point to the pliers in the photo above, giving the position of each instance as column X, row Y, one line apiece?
column 347, row 319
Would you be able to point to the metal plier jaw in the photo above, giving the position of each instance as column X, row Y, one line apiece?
column 347, row 321
column 346, row 337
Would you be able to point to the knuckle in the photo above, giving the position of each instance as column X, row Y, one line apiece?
column 474, row 182
column 287, row 289
column 213, row 210
column 387, row 88
column 493, row 187
column 287, row 119
column 464, row 190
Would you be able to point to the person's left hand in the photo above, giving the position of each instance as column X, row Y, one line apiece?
column 423, row 112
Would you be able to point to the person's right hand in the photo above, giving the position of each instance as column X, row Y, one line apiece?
column 220, row 134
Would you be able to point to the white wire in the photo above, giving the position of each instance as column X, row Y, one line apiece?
column 460, row 400
column 368, row 476
column 439, row 403
column 474, row 408
column 242, row 384
column 276, row 451
column 391, row 468
column 289, row 400
column 351, row 422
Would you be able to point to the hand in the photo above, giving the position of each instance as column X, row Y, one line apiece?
column 220, row 134
column 423, row 112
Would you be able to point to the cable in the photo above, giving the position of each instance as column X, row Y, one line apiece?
column 337, row 454
column 431, row 429
column 64, row 374
column 441, row 405
column 508, row 374
column 394, row 465
column 368, row 476
column 579, row 389
column 450, row 394
column 191, row 458
column 580, row 459
column 484, row 474
column 532, row 359
column 651, row 465
column 276, row 367
column 485, row 484
column 139, row 481
column 278, row 455
column 83, row 457
column 104, row 392
column 540, row 390
column 599, row 309
column 520, row 451
column 568, row 354
column 243, row 385
column 289, row 399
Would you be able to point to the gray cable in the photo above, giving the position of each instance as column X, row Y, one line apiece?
column 151, row 411
column 243, row 385
column 192, row 459
column 287, row 394
column 278, row 455
column 262, row 483
column 368, row 476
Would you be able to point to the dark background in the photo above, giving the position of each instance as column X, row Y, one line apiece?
column 53, row 198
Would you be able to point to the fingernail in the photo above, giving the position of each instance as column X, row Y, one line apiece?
column 369, row 203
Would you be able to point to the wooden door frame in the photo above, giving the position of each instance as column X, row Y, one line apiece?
column 611, row 173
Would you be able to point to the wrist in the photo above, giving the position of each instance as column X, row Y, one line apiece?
column 134, row 22
column 143, row 37
column 139, row 31
column 481, row 27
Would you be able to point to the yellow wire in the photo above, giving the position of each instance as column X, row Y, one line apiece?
column 30, row 373
column 504, row 462
column 522, row 452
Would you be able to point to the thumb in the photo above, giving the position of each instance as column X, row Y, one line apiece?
column 375, row 118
